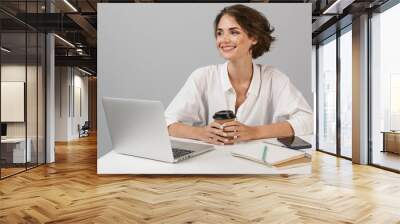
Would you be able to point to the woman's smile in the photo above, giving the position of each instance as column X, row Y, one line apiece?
column 227, row 48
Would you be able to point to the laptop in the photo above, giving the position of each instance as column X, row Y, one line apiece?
column 138, row 128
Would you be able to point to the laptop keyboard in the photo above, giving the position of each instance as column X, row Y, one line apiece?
column 180, row 152
column 189, row 145
column 183, row 148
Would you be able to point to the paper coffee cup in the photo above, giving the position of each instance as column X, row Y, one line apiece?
column 224, row 116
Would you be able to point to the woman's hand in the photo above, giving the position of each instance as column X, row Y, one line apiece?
column 239, row 132
column 213, row 134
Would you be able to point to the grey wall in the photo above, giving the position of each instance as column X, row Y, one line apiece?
column 148, row 50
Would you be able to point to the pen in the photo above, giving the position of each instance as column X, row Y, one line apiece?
column 264, row 153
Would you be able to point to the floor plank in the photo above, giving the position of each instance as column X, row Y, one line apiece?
column 70, row 191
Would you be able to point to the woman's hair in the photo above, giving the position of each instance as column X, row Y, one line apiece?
column 254, row 24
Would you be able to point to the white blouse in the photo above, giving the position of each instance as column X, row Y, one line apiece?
column 271, row 98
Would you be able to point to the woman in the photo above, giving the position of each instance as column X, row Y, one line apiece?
column 266, row 104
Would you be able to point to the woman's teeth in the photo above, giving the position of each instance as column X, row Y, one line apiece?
column 228, row 48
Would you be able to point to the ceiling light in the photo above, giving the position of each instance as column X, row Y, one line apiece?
column 79, row 51
column 84, row 71
column 5, row 50
column 65, row 41
column 70, row 5
column 337, row 7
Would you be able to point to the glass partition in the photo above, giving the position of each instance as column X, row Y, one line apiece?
column 33, row 64
column 346, row 93
column 31, row 100
column 13, row 91
column 385, row 89
column 22, row 63
column 327, row 95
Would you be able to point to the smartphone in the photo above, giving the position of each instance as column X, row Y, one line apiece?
column 294, row 142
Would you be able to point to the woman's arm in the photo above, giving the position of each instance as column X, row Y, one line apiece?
column 241, row 132
column 281, row 129
column 185, row 131
column 290, row 106
column 212, row 133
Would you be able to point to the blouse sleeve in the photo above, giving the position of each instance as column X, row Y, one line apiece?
column 187, row 106
column 290, row 105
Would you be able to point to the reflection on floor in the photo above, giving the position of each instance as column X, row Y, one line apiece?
column 387, row 159
column 10, row 169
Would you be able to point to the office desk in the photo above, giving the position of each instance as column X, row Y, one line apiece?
column 217, row 161
column 13, row 150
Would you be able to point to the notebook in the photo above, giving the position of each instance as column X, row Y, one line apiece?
column 271, row 155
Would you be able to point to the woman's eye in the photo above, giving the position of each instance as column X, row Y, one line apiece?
column 234, row 32
column 219, row 33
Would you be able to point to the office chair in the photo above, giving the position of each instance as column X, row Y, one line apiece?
column 84, row 130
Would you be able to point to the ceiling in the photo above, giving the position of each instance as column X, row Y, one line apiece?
column 76, row 22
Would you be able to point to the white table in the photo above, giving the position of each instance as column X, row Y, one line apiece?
column 218, row 161
column 18, row 149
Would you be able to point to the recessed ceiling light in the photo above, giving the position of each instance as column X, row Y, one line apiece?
column 5, row 50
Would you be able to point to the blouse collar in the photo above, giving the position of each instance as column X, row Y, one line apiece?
column 255, row 81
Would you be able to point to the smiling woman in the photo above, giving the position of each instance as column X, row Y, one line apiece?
column 264, row 101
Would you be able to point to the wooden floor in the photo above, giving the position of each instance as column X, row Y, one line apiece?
column 70, row 191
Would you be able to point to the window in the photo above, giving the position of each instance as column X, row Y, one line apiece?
column 346, row 93
column 385, row 88
column 327, row 96
column 394, row 101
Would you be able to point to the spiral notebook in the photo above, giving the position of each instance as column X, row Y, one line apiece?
column 271, row 155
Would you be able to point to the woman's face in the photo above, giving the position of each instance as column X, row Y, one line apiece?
column 232, row 41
